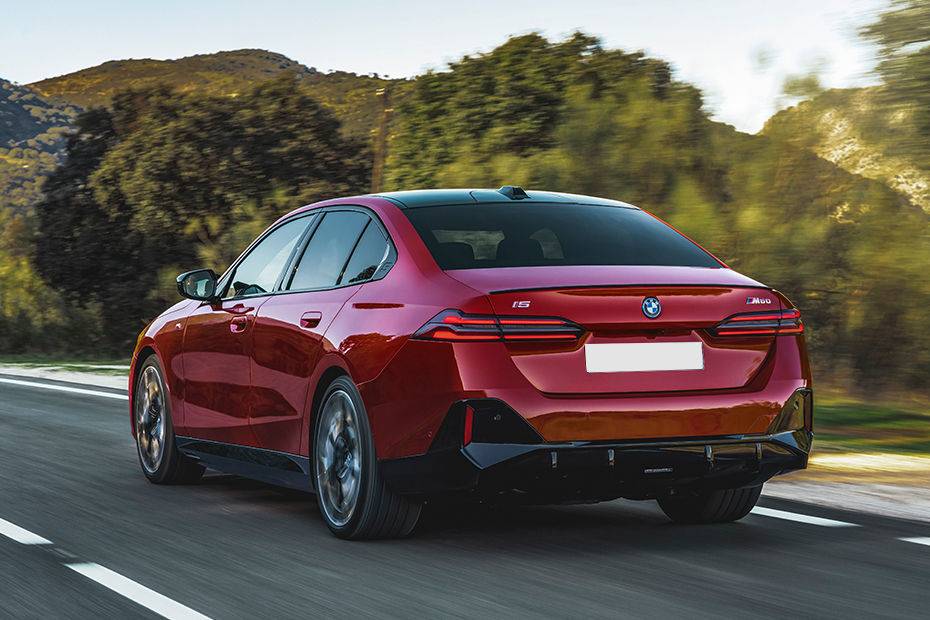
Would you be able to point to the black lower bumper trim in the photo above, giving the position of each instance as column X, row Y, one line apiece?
column 592, row 471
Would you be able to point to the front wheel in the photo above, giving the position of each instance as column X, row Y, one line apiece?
column 721, row 506
column 161, row 461
column 354, row 500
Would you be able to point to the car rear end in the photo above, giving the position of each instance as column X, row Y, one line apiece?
column 610, row 356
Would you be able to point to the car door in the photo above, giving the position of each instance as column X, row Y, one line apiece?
column 218, row 339
column 344, row 251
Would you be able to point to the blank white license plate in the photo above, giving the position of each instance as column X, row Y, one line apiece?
column 644, row 356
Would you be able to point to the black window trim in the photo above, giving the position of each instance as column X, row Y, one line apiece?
column 386, row 263
column 345, row 265
column 300, row 247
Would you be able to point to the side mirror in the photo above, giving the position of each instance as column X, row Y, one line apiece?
column 199, row 284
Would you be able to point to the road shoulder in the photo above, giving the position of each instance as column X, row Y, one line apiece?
column 51, row 373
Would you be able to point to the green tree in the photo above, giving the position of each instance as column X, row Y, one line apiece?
column 902, row 35
column 80, row 249
column 619, row 125
column 162, row 180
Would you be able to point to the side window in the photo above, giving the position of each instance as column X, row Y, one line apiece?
column 259, row 270
column 325, row 258
column 371, row 251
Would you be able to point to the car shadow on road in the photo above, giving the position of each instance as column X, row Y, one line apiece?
column 223, row 483
column 621, row 525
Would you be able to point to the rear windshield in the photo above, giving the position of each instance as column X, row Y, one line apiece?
column 528, row 235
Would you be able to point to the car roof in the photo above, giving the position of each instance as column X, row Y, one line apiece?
column 509, row 194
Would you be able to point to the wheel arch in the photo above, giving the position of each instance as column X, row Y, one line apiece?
column 330, row 373
column 143, row 354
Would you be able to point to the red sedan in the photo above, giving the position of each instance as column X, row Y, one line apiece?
column 383, row 350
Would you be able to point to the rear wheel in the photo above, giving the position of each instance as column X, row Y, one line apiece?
column 721, row 506
column 161, row 461
column 354, row 500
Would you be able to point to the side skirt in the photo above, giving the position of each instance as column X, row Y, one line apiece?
column 278, row 468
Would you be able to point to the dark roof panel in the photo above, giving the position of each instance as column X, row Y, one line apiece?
column 429, row 197
column 436, row 197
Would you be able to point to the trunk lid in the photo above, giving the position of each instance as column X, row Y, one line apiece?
column 607, row 302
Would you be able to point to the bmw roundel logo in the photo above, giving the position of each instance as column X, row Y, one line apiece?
column 651, row 307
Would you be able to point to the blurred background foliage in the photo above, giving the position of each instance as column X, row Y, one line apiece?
column 160, row 181
column 828, row 203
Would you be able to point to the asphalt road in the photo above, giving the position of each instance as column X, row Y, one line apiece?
column 231, row 548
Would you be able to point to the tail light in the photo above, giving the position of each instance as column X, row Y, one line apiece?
column 773, row 323
column 455, row 326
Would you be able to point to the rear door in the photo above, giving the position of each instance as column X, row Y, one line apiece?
column 343, row 252
column 218, row 340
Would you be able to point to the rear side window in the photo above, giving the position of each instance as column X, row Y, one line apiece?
column 527, row 235
column 323, row 261
column 372, row 250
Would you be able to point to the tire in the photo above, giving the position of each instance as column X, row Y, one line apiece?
column 159, row 457
column 721, row 506
column 354, row 500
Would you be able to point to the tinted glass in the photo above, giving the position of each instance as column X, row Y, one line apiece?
column 371, row 250
column 259, row 270
column 524, row 235
column 326, row 255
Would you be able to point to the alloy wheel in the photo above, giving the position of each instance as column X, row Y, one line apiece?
column 150, row 419
column 338, row 458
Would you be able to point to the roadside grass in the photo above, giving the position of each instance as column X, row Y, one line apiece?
column 851, row 426
column 97, row 370
column 56, row 360
column 100, row 366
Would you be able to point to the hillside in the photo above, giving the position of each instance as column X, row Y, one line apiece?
column 34, row 118
column 28, row 120
column 224, row 73
column 31, row 138
column 850, row 128
column 353, row 98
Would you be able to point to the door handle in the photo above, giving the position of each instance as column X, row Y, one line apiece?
column 309, row 320
column 239, row 324
column 240, row 309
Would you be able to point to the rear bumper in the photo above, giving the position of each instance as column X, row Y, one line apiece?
column 408, row 403
column 594, row 471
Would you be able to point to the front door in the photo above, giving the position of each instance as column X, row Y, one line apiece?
column 217, row 348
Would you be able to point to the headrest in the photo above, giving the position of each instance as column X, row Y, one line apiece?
column 519, row 249
column 456, row 254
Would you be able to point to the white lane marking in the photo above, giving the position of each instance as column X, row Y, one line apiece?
column 14, row 532
column 123, row 586
column 64, row 388
column 919, row 540
column 792, row 516
column 135, row 592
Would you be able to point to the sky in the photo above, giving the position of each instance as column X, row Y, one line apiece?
column 737, row 51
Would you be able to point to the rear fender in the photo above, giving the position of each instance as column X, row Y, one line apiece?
column 330, row 366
